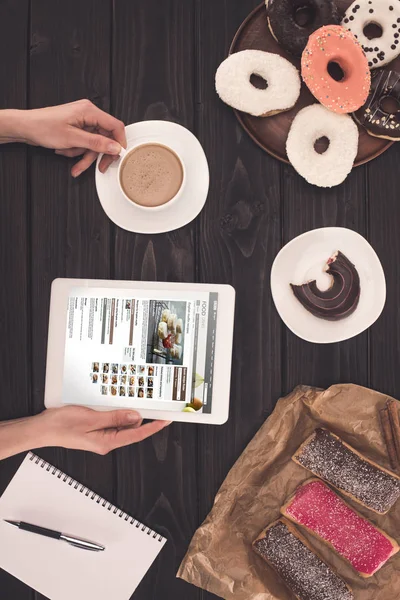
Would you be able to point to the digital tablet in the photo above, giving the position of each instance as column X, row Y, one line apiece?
column 164, row 349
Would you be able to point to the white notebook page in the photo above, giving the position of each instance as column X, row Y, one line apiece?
column 38, row 495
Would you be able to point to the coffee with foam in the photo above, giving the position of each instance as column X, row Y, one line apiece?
column 151, row 175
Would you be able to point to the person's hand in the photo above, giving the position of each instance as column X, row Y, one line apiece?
column 74, row 129
column 75, row 427
column 81, row 428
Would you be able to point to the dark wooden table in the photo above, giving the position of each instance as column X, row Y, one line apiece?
column 156, row 59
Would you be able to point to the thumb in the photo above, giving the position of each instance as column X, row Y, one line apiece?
column 116, row 419
column 96, row 142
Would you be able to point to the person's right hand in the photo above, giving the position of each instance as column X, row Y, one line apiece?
column 74, row 129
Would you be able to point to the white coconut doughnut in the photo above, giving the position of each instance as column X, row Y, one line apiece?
column 332, row 167
column 385, row 13
column 232, row 82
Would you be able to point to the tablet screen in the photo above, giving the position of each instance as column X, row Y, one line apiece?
column 140, row 349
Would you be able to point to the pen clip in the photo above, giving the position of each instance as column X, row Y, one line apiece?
column 82, row 544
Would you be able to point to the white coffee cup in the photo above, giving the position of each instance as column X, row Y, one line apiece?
column 124, row 154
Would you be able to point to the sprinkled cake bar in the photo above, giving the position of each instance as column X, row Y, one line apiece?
column 320, row 510
column 302, row 570
column 328, row 457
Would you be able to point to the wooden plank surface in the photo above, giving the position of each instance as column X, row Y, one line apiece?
column 15, row 353
column 239, row 233
column 157, row 60
column 307, row 207
column 70, row 232
column 152, row 78
column 383, row 201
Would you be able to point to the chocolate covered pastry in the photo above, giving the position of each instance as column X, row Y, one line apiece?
column 328, row 457
column 320, row 510
column 373, row 115
column 341, row 299
column 283, row 16
column 303, row 571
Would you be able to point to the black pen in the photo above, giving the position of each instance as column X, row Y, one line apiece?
column 57, row 535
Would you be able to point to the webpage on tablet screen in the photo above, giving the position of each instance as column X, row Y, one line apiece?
column 139, row 349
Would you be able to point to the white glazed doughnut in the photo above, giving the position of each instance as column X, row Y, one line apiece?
column 232, row 82
column 332, row 167
column 165, row 315
column 172, row 322
column 162, row 330
column 386, row 14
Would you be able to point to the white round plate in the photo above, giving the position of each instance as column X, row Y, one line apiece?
column 126, row 214
column 304, row 259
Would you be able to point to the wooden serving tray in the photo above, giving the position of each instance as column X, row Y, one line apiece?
column 270, row 133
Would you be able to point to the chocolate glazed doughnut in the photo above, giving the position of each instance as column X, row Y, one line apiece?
column 385, row 83
column 340, row 300
column 284, row 27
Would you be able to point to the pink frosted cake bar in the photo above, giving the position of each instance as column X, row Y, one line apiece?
column 315, row 506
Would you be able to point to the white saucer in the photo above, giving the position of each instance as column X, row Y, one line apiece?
column 303, row 259
column 186, row 208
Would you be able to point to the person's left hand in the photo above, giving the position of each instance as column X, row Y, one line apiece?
column 74, row 129
column 81, row 428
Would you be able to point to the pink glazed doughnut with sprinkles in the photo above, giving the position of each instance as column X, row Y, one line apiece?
column 334, row 47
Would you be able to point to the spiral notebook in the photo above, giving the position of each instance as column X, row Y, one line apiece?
column 41, row 494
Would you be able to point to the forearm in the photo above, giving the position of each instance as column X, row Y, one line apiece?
column 12, row 126
column 21, row 435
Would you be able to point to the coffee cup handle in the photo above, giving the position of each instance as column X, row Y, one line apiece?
column 123, row 152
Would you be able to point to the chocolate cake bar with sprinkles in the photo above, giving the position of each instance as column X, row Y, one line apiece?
column 331, row 459
column 302, row 570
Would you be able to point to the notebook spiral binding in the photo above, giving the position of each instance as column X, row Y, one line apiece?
column 92, row 495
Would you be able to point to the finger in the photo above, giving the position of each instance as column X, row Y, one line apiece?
column 88, row 159
column 106, row 161
column 97, row 117
column 127, row 436
column 71, row 152
column 115, row 419
column 93, row 141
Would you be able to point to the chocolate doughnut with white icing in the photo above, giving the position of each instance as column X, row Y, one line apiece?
column 283, row 17
column 386, row 15
column 385, row 84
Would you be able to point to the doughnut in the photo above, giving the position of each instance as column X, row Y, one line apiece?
column 385, row 14
column 232, row 82
column 385, row 83
column 165, row 315
column 341, row 299
column 162, row 330
column 332, row 167
column 287, row 32
column 335, row 45
column 172, row 322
